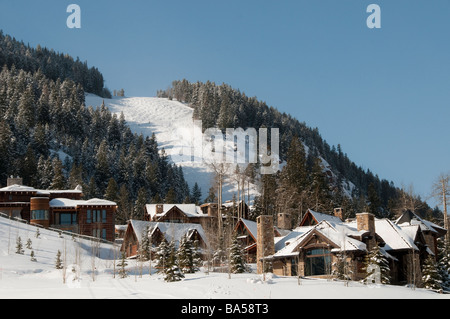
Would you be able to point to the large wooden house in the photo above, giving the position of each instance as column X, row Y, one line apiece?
column 316, row 245
column 59, row 209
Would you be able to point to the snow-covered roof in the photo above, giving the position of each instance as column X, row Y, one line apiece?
column 394, row 236
column 28, row 189
column 345, row 235
column 251, row 226
column 70, row 203
column 321, row 217
column 410, row 218
column 191, row 210
column 171, row 231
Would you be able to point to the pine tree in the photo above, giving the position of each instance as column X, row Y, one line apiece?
column 196, row 195
column 237, row 259
column 19, row 246
column 29, row 243
column 59, row 181
column 341, row 268
column 430, row 274
column 58, row 262
column 162, row 256
column 172, row 270
column 145, row 247
column 375, row 261
column 123, row 273
column 444, row 263
column 186, row 255
column 32, row 256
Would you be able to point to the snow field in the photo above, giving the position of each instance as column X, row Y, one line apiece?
column 20, row 278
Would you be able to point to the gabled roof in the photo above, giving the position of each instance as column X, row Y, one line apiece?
column 336, row 235
column 171, row 231
column 190, row 210
column 319, row 217
column 410, row 218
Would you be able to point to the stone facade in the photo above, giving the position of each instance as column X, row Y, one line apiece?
column 265, row 240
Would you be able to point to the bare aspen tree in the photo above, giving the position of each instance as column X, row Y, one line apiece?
column 441, row 191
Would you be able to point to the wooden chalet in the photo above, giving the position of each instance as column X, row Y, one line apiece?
column 159, row 232
column 315, row 246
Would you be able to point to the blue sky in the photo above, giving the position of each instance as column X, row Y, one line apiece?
column 383, row 94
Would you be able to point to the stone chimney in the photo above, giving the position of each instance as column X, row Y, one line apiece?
column 265, row 244
column 14, row 181
column 284, row 221
column 366, row 222
column 159, row 209
column 338, row 212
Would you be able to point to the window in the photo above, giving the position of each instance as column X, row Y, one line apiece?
column 89, row 217
column 67, row 219
column 39, row 215
column 318, row 262
column 104, row 234
column 104, row 216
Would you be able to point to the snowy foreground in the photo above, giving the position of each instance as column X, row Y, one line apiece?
column 22, row 278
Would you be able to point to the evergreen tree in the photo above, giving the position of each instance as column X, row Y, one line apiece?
column 58, row 262
column 444, row 263
column 196, row 195
column 112, row 191
column 29, row 244
column 145, row 247
column 123, row 273
column 59, row 181
column 341, row 267
column 19, row 246
column 237, row 258
column 172, row 270
column 162, row 256
column 375, row 261
column 32, row 256
column 186, row 255
column 430, row 274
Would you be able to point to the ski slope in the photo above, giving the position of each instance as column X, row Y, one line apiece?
column 172, row 123
column 21, row 278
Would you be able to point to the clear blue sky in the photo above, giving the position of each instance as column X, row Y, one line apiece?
column 384, row 94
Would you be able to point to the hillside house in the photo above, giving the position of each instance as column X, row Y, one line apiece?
column 313, row 248
column 59, row 209
column 158, row 232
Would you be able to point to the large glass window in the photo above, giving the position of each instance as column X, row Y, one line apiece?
column 318, row 262
column 67, row 219
column 39, row 214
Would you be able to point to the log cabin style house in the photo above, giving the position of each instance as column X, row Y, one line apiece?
column 313, row 248
column 158, row 232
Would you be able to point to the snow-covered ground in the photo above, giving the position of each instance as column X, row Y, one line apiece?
column 22, row 278
column 172, row 122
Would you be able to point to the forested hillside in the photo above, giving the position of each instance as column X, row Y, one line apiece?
column 43, row 115
column 317, row 175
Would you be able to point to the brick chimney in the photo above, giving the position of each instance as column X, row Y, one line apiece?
column 338, row 212
column 265, row 244
column 366, row 222
column 159, row 209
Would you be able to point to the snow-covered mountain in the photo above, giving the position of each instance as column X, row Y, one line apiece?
column 172, row 123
